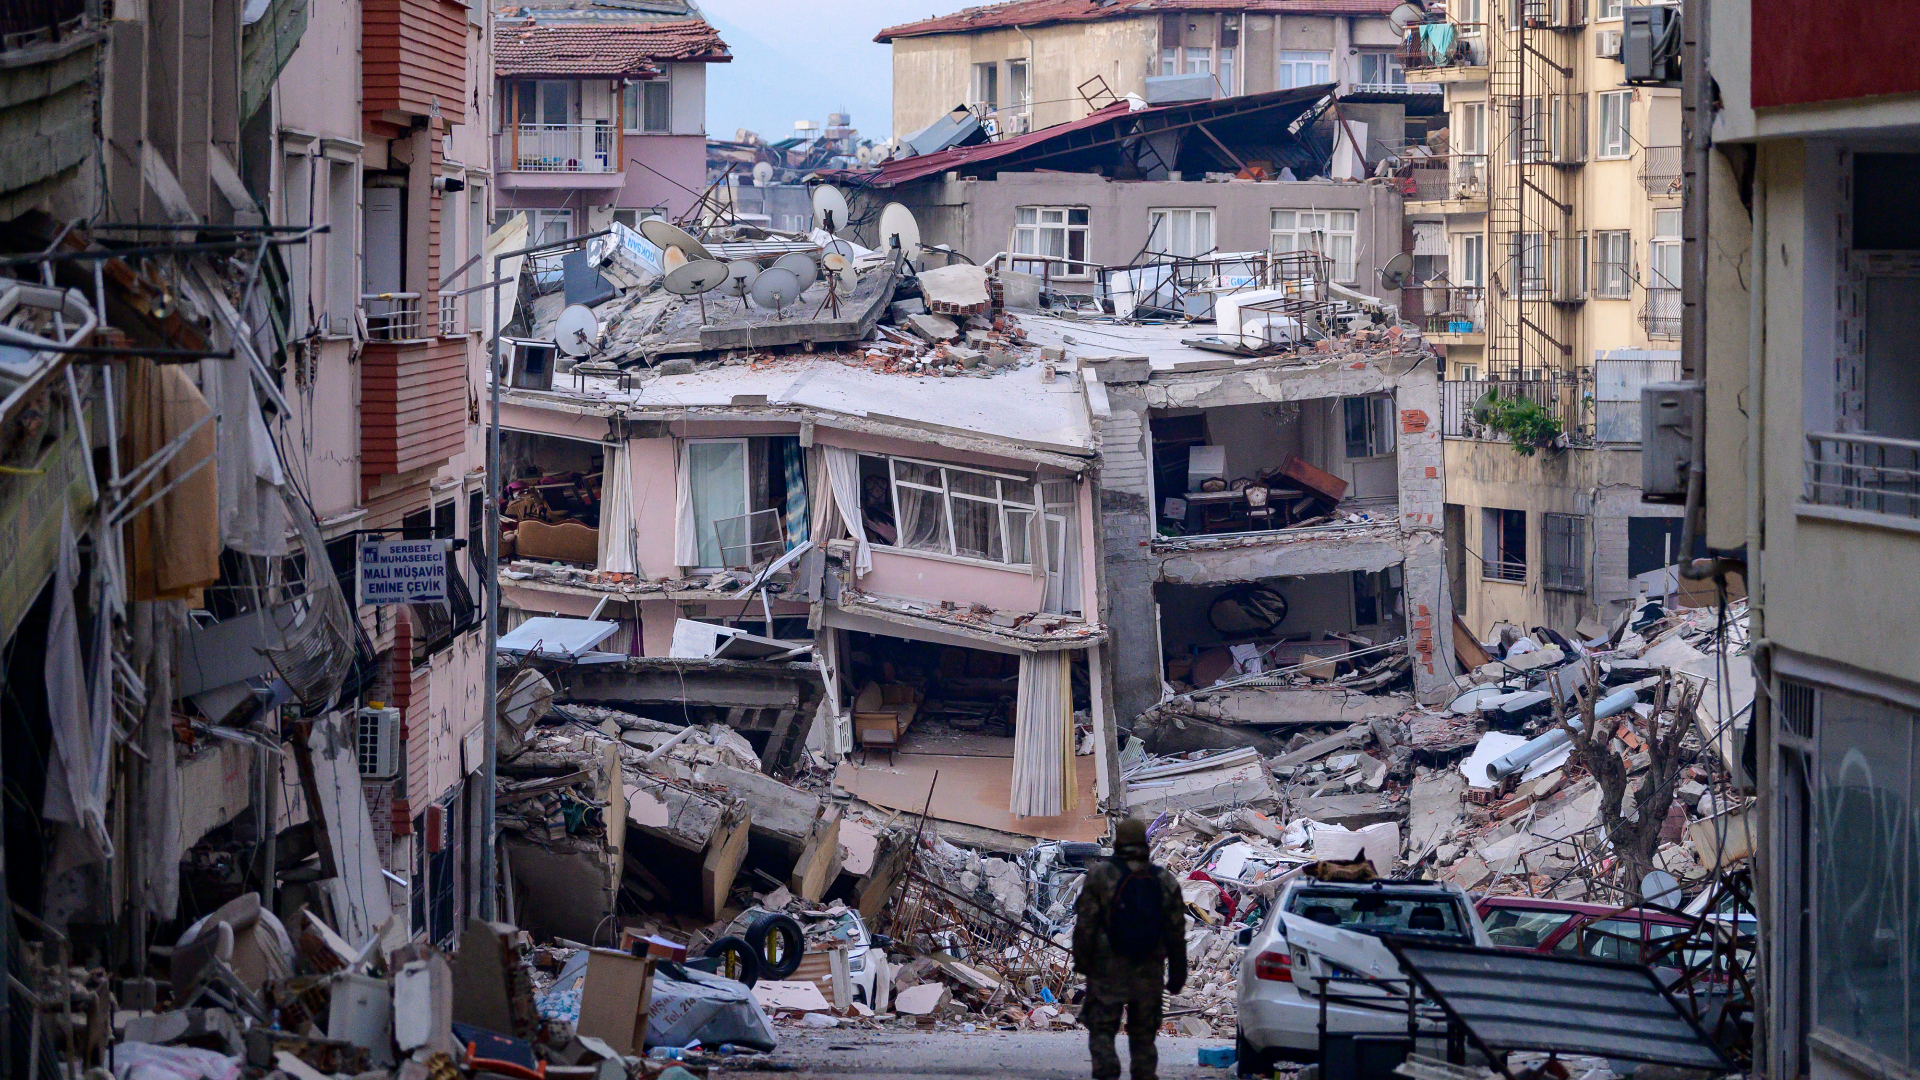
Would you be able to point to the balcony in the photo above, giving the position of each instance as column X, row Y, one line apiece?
column 1417, row 89
column 1864, row 477
column 1462, row 415
column 1442, row 52
column 1660, row 171
column 563, row 155
column 1447, row 184
column 450, row 325
column 1661, row 316
column 392, row 316
column 1447, row 314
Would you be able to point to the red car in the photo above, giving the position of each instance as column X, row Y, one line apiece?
column 1565, row 928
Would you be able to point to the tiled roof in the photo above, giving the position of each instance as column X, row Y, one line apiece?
column 602, row 48
column 1030, row 13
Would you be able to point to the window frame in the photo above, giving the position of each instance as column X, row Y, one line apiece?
column 1387, row 57
column 1664, row 247
column 746, row 495
column 1604, row 144
column 1376, row 439
column 1473, row 260
column 1317, row 61
column 1038, row 229
column 1311, row 223
column 983, row 88
column 1563, row 550
column 948, row 495
column 633, row 106
column 1157, row 213
column 1613, row 277
column 1495, row 561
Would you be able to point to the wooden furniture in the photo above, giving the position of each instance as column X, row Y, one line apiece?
column 568, row 541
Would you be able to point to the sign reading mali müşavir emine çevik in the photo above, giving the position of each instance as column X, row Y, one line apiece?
column 402, row 571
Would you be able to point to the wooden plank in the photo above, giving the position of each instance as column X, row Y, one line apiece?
column 818, row 858
column 1467, row 648
column 724, row 856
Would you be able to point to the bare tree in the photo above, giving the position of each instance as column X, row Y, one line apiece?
column 1634, row 840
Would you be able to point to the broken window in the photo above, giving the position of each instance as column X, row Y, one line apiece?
column 1303, row 68
column 1613, row 264
column 1184, row 233
column 1057, row 232
column 923, row 506
column 1563, row 538
column 1503, row 544
column 743, row 495
column 1376, row 596
column 1616, row 138
column 986, row 85
column 1369, row 425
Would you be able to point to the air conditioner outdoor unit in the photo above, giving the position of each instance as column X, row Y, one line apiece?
column 377, row 742
column 1606, row 44
column 1650, row 45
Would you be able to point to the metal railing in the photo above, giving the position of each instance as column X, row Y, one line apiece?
column 1395, row 88
column 1461, row 45
column 1447, row 177
column 1661, row 316
column 1445, row 309
column 1660, row 171
column 392, row 316
column 1616, row 395
column 450, row 325
column 34, row 22
column 592, row 147
column 1871, row 473
column 1459, row 398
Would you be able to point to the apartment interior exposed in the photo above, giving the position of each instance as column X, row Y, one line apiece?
column 1213, row 632
column 552, row 498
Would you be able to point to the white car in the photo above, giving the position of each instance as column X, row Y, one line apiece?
column 1328, row 931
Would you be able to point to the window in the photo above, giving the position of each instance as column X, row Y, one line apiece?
column 546, row 101
column 648, row 106
column 1170, row 60
column 744, row 494
column 1019, row 84
column 1610, row 9
column 1473, row 260
column 1664, row 250
column 1375, row 597
column 1199, row 60
column 1328, row 232
column 1616, row 134
column 343, row 267
column 1425, row 912
column 1603, row 939
column 477, row 543
column 551, row 225
column 1382, row 69
column 1369, row 425
column 1532, row 259
column 1473, row 127
column 1613, row 264
column 1304, row 69
column 1564, row 540
column 476, row 245
column 1223, row 76
column 718, row 472
column 986, row 85
column 1503, row 545
column 948, row 511
column 1517, row 928
column 1058, row 232
column 297, row 181
column 1182, row 233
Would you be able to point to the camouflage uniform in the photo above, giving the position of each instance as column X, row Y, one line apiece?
column 1115, row 982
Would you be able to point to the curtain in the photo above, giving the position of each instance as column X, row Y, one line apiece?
column 1044, row 780
column 75, row 792
column 617, row 532
column 798, row 519
column 686, row 543
column 843, row 476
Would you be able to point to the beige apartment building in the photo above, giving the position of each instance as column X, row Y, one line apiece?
column 1035, row 63
column 1546, row 230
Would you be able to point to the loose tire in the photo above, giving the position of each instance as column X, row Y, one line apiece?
column 738, row 960
column 779, row 944
column 1251, row 1062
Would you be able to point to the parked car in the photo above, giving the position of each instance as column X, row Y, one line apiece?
column 1568, row 928
column 1321, row 932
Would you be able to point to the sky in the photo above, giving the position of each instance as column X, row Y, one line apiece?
column 794, row 60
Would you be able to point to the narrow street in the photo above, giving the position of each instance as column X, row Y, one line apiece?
column 1037, row 1055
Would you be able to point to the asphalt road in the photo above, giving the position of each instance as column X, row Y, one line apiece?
column 877, row 1055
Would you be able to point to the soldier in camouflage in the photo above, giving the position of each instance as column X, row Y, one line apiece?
column 1116, row 981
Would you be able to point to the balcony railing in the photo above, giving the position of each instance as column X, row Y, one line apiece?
column 592, row 147
column 1459, row 397
column 1869, row 473
column 392, row 316
column 450, row 316
column 1447, row 309
column 1395, row 88
column 1661, row 316
column 1440, row 45
column 1660, row 171
column 35, row 22
column 1448, row 178
column 1616, row 394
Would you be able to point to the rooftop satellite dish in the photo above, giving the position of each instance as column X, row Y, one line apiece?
column 1405, row 16
column 740, row 277
column 829, row 208
column 574, row 331
column 666, row 234
column 774, row 288
column 1659, row 887
column 845, row 280
column 673, row 258
column 696, row 278
column 1397, row 272
column 801, row 265
column 898, row 227
column 762, row 173
column 838, row 247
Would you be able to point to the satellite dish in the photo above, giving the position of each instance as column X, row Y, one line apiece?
column 774, row 288
column 673, row 258
column 845, row 280
column 740, row 277
column 829, row 208
column 801, row 265
column 1398, row 270
column 897, row 224
column 1659, row 887
column 762, row 173
column 697, row 278
column 1405, row 16
column 666, row 234
column 574, row 331
column 838, row 247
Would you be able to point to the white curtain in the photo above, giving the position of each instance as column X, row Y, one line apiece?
column 75, row 790
column 686, row 541
column 843, row 476
column 1044, row 780
column 922, row 524
column 617, row 533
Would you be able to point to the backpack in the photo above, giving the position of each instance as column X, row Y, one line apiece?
column 1133, row 925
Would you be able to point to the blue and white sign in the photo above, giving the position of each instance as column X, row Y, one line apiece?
column 402, row 571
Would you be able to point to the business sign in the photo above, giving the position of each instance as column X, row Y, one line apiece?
column 402, row 571
column 635, row 253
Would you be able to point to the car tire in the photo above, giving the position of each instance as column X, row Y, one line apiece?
column 1251, row 1062
column 778, row 943
column 738, row 960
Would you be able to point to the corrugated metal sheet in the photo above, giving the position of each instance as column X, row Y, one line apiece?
column 1525, row 1001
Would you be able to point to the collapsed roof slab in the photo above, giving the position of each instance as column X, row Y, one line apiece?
column 1279, row 706
column 1295, row 552
column 656, row 680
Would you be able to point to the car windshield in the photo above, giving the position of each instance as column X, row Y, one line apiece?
column 849, row 929
column 1382, row 911
column 1518, row 928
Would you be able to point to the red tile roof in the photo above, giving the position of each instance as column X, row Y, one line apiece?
column 1030, row 13
column 630, row 48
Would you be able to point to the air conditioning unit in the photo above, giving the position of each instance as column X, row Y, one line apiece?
column 1670, row 420
column 1650, row 44
column 376, row 740
column 530, row 364
column 1606, row 44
